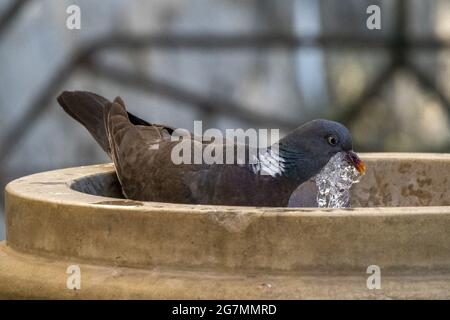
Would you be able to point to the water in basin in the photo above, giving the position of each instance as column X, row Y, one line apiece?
column 334, row 182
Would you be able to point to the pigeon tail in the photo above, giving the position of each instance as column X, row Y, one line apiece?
column 88, row 109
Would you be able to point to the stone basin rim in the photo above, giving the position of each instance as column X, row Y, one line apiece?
column 45, row 216
column 43, row 187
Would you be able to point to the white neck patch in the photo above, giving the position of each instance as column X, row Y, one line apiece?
column 268, row 162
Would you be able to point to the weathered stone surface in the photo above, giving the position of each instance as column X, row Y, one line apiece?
column 24, row 276
column 301, row 252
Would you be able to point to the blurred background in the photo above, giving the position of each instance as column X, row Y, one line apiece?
column 230, row 63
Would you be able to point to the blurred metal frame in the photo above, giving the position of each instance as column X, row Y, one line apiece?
column 398, row 46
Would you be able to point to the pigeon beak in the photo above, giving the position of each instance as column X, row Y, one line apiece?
column 353, row 159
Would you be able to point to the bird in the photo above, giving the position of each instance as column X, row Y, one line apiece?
column 142, row 153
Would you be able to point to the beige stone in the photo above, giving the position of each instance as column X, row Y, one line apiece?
column 400, row 221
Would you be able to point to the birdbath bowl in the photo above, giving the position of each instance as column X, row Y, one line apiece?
column 399, row 224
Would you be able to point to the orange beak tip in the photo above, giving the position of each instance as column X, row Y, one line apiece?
column 356, row 162
column 361, row 167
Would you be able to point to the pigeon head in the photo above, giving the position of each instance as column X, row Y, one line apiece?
column 307, row 149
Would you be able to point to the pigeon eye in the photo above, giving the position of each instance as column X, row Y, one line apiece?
column 332, row 140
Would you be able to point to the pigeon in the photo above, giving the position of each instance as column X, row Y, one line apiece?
column 142, row 153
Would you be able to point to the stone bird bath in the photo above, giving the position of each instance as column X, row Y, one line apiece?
column 399, row 221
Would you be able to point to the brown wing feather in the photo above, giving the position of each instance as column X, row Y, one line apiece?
column 134, row 151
